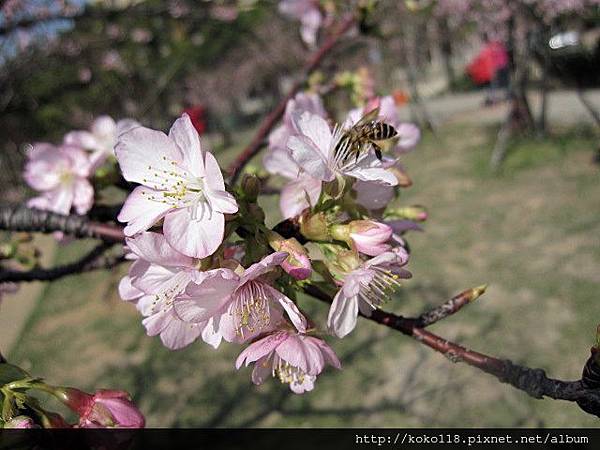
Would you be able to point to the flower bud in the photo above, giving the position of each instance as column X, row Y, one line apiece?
column 297, row 264
column 250, row 187
column 369, row 237
column 417, row 213
column 314, row 228
column 106, row 408
column 21, row 422
column 54, row 420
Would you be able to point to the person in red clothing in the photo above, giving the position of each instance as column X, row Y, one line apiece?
column 490, row 67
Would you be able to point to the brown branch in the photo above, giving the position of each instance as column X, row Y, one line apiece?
column 532, row 381
column 235, row 168
column 22, row 218
column 94, row 260
column 450, row 307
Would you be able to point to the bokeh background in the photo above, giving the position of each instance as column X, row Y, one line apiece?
column 526, row 222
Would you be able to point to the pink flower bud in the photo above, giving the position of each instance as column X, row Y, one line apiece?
column 106, row 408
column 297, row 264
column 21, row 422
column 369, row 237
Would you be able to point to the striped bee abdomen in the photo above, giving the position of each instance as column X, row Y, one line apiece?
column 379, row 131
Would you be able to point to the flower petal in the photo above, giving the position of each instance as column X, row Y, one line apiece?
column 328, row 353
column 296, row 317
column 373, row 195
column 207, row 298
column 104, row 126
column 153, row 247
column 278, row 161
column 342, row 314
column 178, row 334
column 298, row 195
column 309, row 158
column 373, row 174
column 316, row 129
column 262, row 370
column 265, row 265
column 142, row 152
column 81, row 139
column 198, row 238
column 214, row 177
column 260, row 348
column 83, row 195
column 302, row 353
column 186, row 137
column 139, row 212
column 222, row 201
column 128, row 291
column 210, row 334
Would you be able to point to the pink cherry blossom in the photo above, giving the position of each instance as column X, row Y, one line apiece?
column 101, row 138
column 104, row 409
column 309, row 14
column 157, row 279
column 180, row 183
column 314, row 150
column 240, row 306
column 302, row 191
column 296, row 359
column 60, row 175
column 365, row 288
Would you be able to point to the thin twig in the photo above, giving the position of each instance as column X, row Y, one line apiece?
column 236, row 167
column 94, row 260
column 450, row 307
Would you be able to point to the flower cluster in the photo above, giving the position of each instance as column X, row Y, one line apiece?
column 186, row 281
column 62, row 173
column 205, row 265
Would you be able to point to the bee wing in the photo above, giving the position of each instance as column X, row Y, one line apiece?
column 368, row 117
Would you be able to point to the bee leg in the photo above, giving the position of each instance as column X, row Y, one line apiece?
column 377, row 151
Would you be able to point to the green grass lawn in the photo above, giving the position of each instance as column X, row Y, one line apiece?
column 531, row 232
